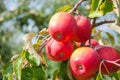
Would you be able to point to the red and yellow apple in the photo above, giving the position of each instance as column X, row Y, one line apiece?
column 84, row 63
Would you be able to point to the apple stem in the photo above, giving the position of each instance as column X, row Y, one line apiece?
column 100, row 67
column 114, row 62
column 45, row 40
column 82, row 44
column 93, row 22
column 106, row 68
column 98, row 32
column 90, row 43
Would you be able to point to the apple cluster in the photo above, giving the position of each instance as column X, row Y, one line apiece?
column 67, row 33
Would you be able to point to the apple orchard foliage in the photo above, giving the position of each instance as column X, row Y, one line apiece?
column 73, row 45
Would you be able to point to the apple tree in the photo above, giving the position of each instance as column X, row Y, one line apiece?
column 80, row 43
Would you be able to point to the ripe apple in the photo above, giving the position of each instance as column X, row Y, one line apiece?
column 93, row 42
column 108, row 53
column 84, row 63
column 58, row 51
column 62, row 26
column 84, row 27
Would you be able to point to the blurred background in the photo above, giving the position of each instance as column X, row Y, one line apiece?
column 18, row 17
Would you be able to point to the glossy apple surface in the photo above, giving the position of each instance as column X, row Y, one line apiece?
column 83, row 29
column 84, row 63
column 59, row 51
column 108, row 53
column 62, row 26
column 93, row 42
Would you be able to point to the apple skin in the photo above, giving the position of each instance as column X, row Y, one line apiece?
column 93, row 42
column 108, row 53
column 84, row 63
column 84, row 28
column 59, row 51
column 62, row 26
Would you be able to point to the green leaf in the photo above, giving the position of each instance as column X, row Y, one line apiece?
column 63, row 71
column 7, row 68
column 111, row 37
column 7, row 71
column 100, row 8
column 55, row 74
column 99, row 77
column 18, row 64
column 117, row 47
column 51, row 68
column 32, row 59
column 33, row 73
column 65, row 8
column 27, row 74
column 115, row 75
column 118, row 74
column 38, row 73
column 107, row 6
column 94, row 12
column 95, row 5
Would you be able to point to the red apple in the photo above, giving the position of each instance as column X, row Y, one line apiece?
column 62, row 26
column 93, row 42
column 84, row 28
column 84, row 63
column 59, row 51
column 110, row 54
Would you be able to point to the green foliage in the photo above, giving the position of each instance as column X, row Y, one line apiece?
column 100, row 8
column 106, row 6
column 20, row 69
column 99, row 77
column 108, row 36
column 32, row 59
column 26, row 66
column 65, row 8
column 63, row 71
column 33, row 73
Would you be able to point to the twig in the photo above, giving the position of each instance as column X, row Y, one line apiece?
column 45, row 41
column 76, row 6
column 113, row 62
column 104, row 22
column 100, row 69
column 93, row 23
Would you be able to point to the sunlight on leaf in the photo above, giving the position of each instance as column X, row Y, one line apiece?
column 65, row 8
column 55, row 75
column 28, row 46
column 99, row 77
column 18, row 65
column 7, row 71
column 107, row 6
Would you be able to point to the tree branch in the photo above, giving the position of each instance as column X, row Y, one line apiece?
column 93, row 22
column 104, row 22
column 76, row 6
